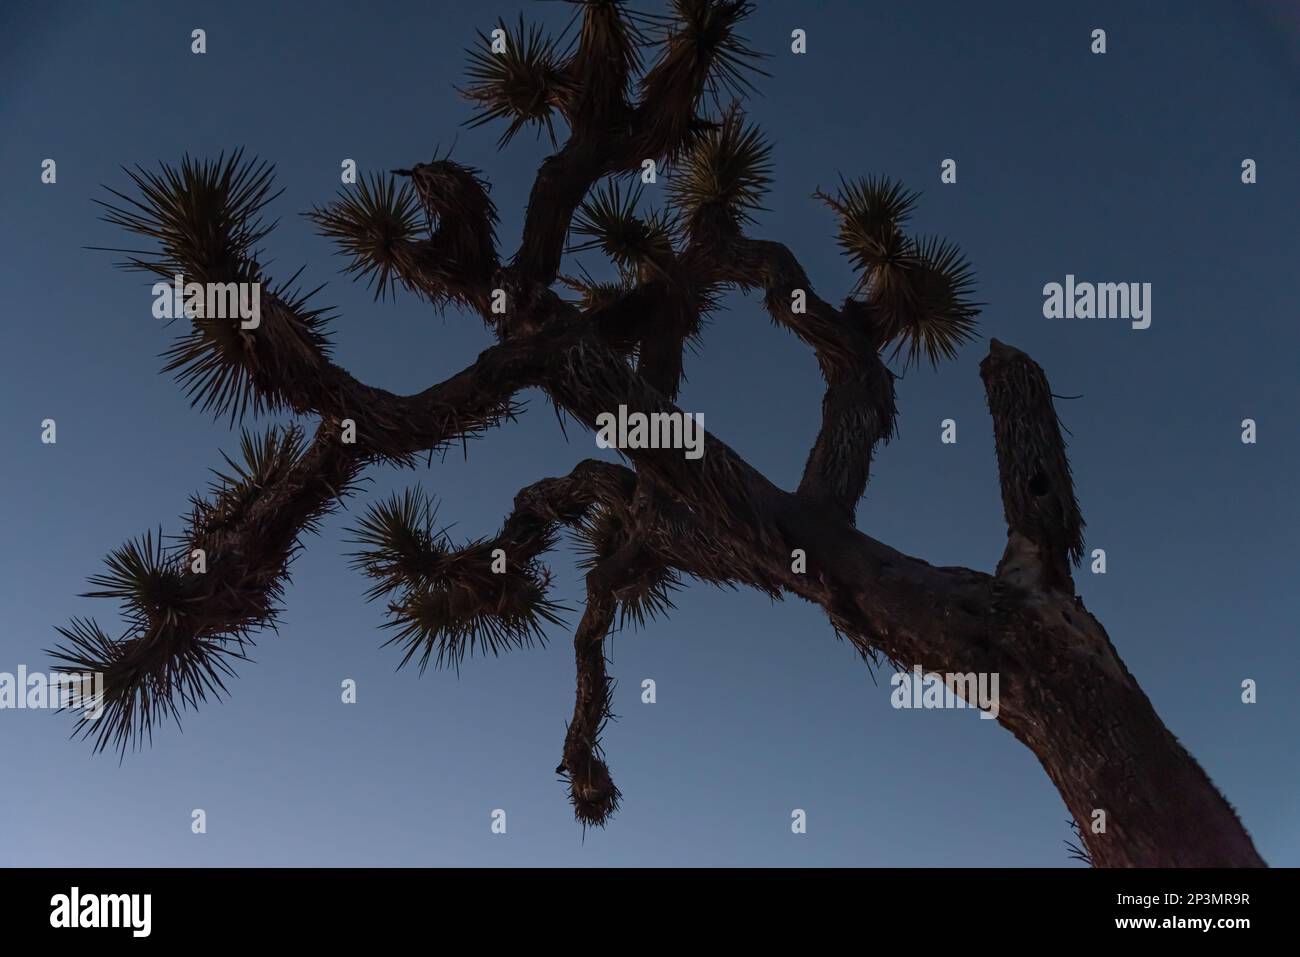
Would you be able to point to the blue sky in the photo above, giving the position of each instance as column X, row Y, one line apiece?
column 1122, row 167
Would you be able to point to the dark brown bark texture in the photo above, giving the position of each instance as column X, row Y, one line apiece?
column 1064, row 692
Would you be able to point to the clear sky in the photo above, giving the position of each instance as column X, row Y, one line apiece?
column 1116, row 167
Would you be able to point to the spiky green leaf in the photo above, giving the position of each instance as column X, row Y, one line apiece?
column 370, row 223
column 918, row 290
column 404, row 548
column 524, row 84
column 204, row 215
column 149, row 675
column 145, row 578
column 728, row 168
column 938, row 315
column 609, row 221
column 872, row 212
column 452, row 602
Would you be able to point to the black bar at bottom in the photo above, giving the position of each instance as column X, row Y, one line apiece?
column 237, row 905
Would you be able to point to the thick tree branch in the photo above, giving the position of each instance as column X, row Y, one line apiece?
column 857, row 413
column 772, row 268
column 1044, row 527
column 561, row 183
column 858, row 409
column 242, row 542
column 592, row 790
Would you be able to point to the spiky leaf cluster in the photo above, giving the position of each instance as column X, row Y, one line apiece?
column 203, row 214
column 149, row 675
column 146, row 580
column 918, row 289
column 226, row 369
column 940, row 315
column 609, row 222
column 205, row 218
column 160, row 666
column 700, row 54
column 728, row 168
column 449, row 601
column 524, row 84
column 370, row 223
column 405, row 545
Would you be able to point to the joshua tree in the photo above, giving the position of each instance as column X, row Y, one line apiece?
column 193, row 607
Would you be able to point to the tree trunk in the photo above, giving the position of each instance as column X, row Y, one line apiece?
column 1083, row 714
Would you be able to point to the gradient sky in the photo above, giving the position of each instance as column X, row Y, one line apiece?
column 1123, row 167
